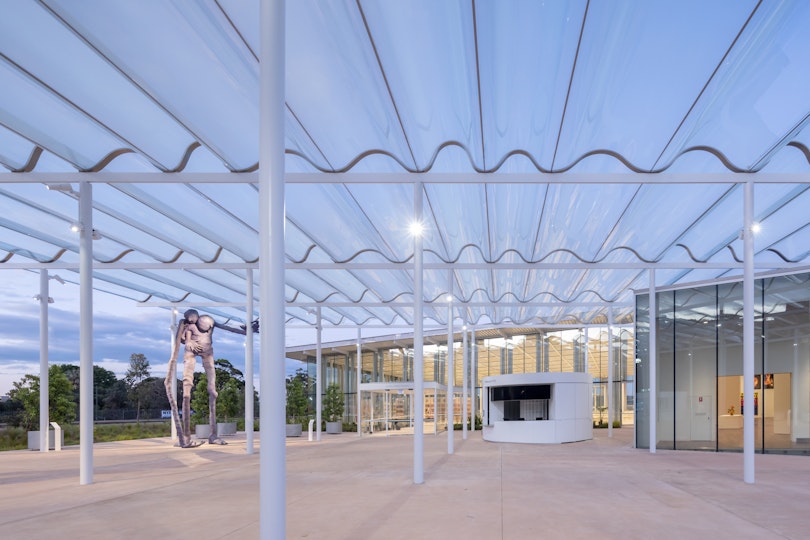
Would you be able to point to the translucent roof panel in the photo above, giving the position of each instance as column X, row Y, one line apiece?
column 560, row 150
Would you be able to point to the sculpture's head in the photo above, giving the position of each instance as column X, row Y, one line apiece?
column 191, row 315
column 205, row 323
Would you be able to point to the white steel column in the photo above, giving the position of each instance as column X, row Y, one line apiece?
column 359, row 363
column 44, row 381
column 319, row 376
column 748, row 334
column 272, row 475
column 653, row 353
column 173, row 330
column 249, row 413
column 465, row 365
column 610, row 373
column 86, row 333
column 451, row 371
column 473, row 377
column 585, row 345
column 418, row 361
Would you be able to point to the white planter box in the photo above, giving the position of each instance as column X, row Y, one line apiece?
column 33, row 440
column 226, row 428
column 202, row 431
column 294, row 430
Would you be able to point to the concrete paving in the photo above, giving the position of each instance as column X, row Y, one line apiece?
column 347, row 487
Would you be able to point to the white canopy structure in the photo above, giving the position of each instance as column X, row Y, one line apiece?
column 556, row 154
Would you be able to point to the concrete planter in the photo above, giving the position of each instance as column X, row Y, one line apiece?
column 294, row 430
column 33, row 440
column 226, row 428
column 334, row 427
column 202, row 431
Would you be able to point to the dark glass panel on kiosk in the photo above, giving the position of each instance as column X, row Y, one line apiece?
column 535, row 391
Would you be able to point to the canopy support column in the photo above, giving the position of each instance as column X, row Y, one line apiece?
column 473, row 377
column 465, row 365
column 653, row 354
column 85, row 333
column 249, row 413
column 272, row 474
column 173, row 330
column 319, row 376
column 359, row 363
column 610, row 373
column 748, row 334
column 451, row 372
column 44, row 383
column 418, row 361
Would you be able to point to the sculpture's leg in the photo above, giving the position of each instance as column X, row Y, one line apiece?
column 211, row 374
column 170, row 384
column 189, row 361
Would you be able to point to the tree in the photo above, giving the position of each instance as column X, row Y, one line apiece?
column 230, row 400
column 61, row 407
column 297, row 403
column 138, row 371
column 333, row 403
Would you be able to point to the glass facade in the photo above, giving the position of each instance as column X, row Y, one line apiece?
column 700, row 367
column 387, row 367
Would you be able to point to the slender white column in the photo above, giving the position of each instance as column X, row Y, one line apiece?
column 465, row 364
column 173, row 330
column 585, row 345
column 653, row 354
column 272, row 475
column 319, row 376
column 748, row 334
column 418, row 360
column 249, row 413
column 44, row 380
column 359, row 363
column 473, row 377
column 451, row 371
column 610, row 373
column 86, row 333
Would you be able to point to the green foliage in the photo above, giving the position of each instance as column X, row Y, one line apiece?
column 137, row 373
column 230, row 400
column 61, row 407
column 333, row 403
column 297, row 403
column 199, row 401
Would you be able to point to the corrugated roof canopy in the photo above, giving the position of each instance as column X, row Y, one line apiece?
column 564, row 148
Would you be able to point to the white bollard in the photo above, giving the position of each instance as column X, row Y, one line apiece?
column 57, row 437
column 311, row 423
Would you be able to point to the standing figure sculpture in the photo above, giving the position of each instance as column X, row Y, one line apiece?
column 196, row 333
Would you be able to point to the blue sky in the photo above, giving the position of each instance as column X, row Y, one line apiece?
column 120, row 329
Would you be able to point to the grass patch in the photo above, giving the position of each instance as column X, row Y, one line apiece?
column 16, row 438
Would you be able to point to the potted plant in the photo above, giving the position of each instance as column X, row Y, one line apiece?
column 228, row 407
column 333, row 408
column 296, row 405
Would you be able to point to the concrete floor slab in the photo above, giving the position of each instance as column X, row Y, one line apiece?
column 347, row 487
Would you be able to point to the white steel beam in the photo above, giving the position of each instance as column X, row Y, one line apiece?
column 404, row 177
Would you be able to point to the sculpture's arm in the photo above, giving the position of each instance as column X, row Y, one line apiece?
column 241, row 330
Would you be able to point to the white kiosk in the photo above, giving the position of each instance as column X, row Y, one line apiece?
column 537, row 408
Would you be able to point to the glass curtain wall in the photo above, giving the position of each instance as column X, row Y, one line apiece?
column 700, row 367
column 549, row 351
